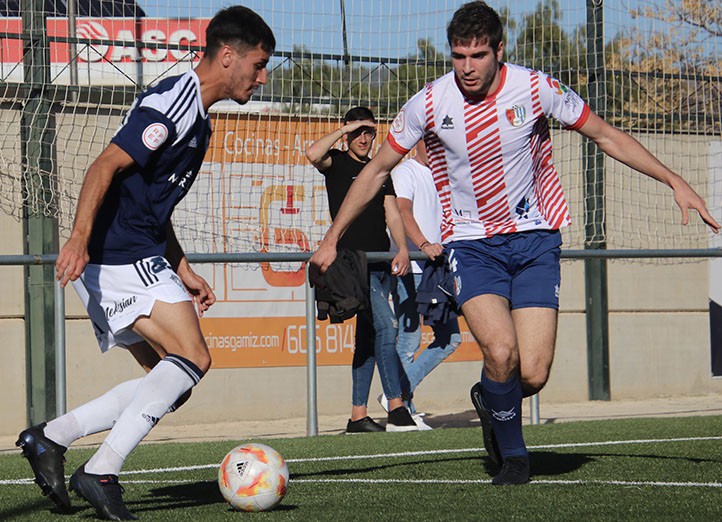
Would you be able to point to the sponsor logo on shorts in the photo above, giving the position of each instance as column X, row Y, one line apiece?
column 556, row 291
column 457, row 285
column 147, row 269
column 119, row 306
column 158, row 264
column 177, row 281
column 452, row 260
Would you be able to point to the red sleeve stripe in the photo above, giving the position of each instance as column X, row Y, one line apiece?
column 582, row 119
column 395, row 145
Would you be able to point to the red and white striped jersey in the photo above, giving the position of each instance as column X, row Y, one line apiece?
column 492, row 158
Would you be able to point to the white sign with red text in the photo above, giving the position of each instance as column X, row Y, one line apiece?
column 125, row 50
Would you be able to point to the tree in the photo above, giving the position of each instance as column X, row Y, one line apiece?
column 309, row 84
column 675, row 65
column 542, row 43
column 399, row 83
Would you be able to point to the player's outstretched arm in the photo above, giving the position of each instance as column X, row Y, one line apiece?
column 687, row 199
column 400, row 263
column 73, row 255
column 624, row 148
column 365, row 186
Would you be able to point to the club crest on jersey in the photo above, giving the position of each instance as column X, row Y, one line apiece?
column 154, row 135
column 516, row 115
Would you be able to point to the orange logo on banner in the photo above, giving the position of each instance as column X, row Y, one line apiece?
column 282, row 236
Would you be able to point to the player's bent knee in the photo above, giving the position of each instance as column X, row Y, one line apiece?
column 500, row 356
column 203, row 361
column 197, row 353
column 533, row 384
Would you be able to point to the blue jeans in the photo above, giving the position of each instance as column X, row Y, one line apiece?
column 446, row 337
column 376, row 341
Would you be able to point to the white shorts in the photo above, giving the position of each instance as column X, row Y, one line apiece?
column 116, row 295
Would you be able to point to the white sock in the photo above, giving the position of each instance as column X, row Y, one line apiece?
column 92, row 417
column 170, row 379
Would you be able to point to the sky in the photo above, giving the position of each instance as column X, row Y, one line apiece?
column 375, row 27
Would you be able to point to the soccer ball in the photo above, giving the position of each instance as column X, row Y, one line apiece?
column 253, row 477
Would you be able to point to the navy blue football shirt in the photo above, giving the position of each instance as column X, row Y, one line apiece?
column 166, row 132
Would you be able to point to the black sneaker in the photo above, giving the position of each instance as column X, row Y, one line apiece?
column 515, row 471
column 46, row 459
column 490, row 442
column 365, row 425
column 103, row 492
column 400, row 420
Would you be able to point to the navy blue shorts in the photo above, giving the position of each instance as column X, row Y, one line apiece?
column 522, row 267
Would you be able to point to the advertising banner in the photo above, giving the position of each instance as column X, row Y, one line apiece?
column 129, row 50
column 257, row 183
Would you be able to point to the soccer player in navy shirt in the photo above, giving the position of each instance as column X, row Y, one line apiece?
column 125, row 262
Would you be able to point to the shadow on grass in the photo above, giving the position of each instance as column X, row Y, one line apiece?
column 553, row 464
column 542, row 463
column 36, row 509
column 654, row 457
column 350, row 471
column 191, row 494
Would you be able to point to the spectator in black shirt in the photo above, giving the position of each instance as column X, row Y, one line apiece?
column 375, row 328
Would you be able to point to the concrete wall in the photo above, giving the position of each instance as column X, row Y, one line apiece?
column 12, row 329
column 659, row 346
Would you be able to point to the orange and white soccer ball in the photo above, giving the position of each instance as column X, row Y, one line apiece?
column 253, row 477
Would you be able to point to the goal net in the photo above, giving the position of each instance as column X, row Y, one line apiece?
column 68, row 72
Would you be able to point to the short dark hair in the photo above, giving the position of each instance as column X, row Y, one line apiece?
column 358, row 114
column 240, row 28
column 475, row 21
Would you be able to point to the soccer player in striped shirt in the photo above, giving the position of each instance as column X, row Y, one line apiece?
column 125, row 262
column 486, row 130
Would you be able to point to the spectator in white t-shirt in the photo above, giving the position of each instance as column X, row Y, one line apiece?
column 420, row 209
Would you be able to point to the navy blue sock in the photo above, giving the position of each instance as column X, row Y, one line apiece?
column 504, row 401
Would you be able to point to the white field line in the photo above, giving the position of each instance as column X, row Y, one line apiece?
column 439, row 481
column 422, row 453
column 533, row 481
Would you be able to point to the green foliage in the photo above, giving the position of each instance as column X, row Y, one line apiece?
column 542, row 43
column 337, row 85
column 659, row 79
